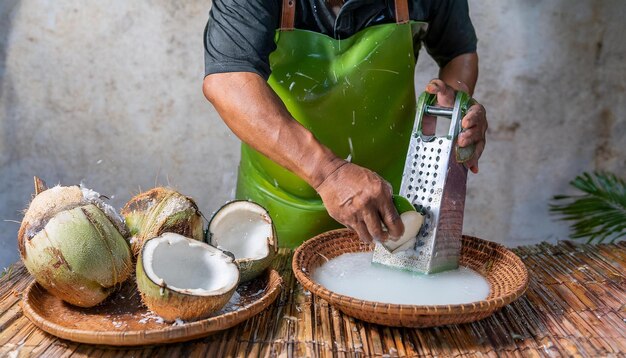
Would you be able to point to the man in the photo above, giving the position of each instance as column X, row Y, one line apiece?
column 321, row 93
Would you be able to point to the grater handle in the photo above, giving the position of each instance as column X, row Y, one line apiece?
column 463, row 101
column 439, row 111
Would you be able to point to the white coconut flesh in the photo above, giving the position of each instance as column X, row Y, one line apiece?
column 412, row 221
column 188, row 266
column 242, row 228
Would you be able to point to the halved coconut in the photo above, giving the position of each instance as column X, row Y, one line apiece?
column 412, row 221
column 160, row 210
column 179, row 277
column 74, row 244
column 245, row 229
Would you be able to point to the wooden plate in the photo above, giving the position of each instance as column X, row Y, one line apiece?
column 123, row 321
column 505, row 272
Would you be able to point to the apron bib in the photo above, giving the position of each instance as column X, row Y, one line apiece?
column 357, row 97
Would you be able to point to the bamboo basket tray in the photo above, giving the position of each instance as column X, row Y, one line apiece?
column 123, row 321
column 505, row 272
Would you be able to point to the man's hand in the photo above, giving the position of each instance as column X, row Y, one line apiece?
column 360, row 199
column 474, row 123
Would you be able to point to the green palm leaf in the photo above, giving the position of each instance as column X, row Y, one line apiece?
column 600, row 213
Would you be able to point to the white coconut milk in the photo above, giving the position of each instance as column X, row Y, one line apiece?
column 354, row 275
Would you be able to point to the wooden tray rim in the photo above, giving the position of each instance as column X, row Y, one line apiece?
column 190, row 330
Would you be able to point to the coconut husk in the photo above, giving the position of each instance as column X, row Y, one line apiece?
column 159, row 210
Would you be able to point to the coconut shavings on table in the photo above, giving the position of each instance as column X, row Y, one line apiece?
column 146, row 317
column 118, row 324
column 178, row 322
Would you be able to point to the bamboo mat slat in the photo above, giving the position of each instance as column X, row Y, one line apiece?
column 575, row 306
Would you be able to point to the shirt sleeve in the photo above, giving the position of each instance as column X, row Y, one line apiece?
column 450, row 31
column 239, row 36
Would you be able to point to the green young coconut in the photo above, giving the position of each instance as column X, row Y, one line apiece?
column 246, row 230
column 181, row 278
column 74, row 244
column 160, row 210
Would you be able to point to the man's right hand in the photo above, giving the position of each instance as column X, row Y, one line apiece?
column 361, row 200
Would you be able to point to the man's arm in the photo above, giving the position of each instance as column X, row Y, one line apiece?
column 354, row 196
column 461, row 73
column 258, row 117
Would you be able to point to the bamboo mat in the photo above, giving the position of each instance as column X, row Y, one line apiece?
column 575, row 306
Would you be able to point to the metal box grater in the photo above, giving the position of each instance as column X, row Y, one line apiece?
column 434, row 181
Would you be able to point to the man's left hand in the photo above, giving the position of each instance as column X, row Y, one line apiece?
column 474, row 123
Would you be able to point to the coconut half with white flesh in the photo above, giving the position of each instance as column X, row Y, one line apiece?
column 182, row 278
column 246, row 230
column 74, row 244
column 412, row 221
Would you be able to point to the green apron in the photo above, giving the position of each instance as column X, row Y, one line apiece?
column 357, row 97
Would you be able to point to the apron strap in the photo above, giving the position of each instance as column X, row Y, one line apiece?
column 289, row 13
column 402, row 11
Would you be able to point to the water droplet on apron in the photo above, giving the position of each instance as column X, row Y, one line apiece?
column 351, row 148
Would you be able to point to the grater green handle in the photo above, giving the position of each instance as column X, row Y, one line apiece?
column 426, row 105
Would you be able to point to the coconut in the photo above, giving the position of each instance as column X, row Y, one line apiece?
column 412, row 221
column 181, row 278
column 74, row 244
column 246, row 230
column 160, row 210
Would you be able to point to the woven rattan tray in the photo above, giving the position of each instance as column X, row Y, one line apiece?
column 123, row 321
column 505, row 272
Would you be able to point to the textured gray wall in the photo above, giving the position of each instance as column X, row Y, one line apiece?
column 109, row 93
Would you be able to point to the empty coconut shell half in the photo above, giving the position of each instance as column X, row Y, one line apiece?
column 246, row 230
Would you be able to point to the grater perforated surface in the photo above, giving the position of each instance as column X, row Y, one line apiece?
column 423, row 185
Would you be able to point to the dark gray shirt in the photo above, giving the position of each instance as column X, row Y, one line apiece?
column 239, row 35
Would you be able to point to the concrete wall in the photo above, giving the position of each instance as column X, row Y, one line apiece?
column 108, row 93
